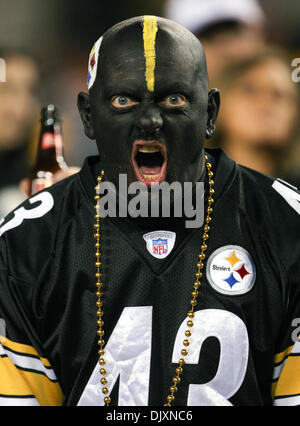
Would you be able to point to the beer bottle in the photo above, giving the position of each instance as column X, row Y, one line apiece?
column 50, row 157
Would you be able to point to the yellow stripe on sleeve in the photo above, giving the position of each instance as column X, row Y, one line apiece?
column 23, row 373
column 23, row 349
column 289, row 379
column 281, row 355
column 17, row 382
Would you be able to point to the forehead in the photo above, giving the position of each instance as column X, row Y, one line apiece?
column 152, row 55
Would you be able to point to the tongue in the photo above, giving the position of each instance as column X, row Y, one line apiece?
column 153, row 170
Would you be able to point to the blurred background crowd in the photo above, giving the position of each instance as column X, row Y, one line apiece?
column 250, row 46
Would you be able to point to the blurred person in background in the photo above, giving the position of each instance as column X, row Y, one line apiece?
column 229, row 30
column 235, row 31
column 19, row 129
column 258, row 122
column 19, row 111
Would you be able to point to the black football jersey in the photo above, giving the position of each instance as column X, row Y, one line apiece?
column 244, row 347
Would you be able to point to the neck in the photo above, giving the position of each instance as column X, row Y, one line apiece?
column 176, row 209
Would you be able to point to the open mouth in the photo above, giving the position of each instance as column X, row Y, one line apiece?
column 149, row 161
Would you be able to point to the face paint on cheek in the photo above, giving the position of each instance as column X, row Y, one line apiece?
column 149, row 36
column 93, row 63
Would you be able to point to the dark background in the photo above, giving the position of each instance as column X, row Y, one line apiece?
column 60, row 33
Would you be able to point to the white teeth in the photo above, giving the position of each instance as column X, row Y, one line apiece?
column 148, row 149
column 150, row 176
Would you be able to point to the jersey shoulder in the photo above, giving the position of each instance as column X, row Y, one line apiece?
column 272, row 207
column 254, row 192
column 28, row 234
column 275, row 196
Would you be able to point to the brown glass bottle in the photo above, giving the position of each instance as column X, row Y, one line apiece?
column 50, row 156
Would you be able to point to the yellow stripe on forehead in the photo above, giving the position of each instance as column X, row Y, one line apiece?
column 149, row 36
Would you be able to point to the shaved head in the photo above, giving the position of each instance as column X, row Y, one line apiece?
column 148, row 94
column 155, row 38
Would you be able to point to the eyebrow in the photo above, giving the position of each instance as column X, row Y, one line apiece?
column 173, row 87
column 129, row 85
column 134, row 84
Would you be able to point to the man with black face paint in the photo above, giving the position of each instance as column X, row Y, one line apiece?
column 150, row 312
column 164, row 106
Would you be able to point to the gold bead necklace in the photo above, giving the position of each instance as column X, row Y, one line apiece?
column 200, row 265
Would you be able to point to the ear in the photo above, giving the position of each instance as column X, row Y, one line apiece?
column 213, row 107
column 83, row 104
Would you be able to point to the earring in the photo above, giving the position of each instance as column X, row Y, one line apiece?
column 210, row 130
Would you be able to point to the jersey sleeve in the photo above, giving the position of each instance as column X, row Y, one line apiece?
column 26, row 375
column 26, row 378
column 286, row 373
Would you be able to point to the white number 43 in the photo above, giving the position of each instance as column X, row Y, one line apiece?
column 128, row 357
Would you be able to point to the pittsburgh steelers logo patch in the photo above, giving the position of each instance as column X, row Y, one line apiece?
column 93, row 62
column 230, row 270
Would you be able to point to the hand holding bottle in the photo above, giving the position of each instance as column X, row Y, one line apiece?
column 50, row 165
column 56, row 177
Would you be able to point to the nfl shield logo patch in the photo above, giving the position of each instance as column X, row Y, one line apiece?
column 160, row 246
column 160, row 243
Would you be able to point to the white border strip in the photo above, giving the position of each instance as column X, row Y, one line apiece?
column 288, row 401
column 18, row 402
column 28, row 362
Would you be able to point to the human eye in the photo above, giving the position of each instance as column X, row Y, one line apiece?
column 122, row 101
column 174, row 100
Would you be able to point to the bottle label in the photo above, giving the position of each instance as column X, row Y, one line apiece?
column 48, row 141
column 52, row 140
column 40, row 183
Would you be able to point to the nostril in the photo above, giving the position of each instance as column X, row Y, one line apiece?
column 149, row 121
column 157, row 128
column 158, row 122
